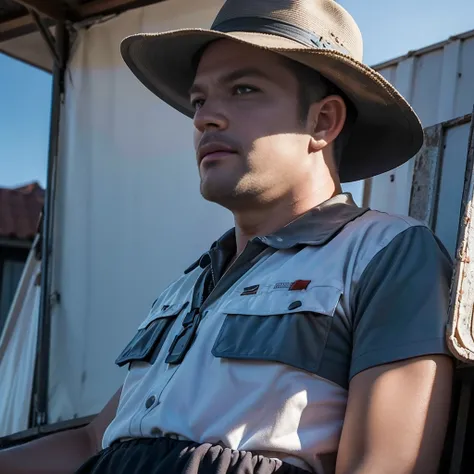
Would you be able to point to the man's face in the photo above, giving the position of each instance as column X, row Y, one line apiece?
column 251, row 145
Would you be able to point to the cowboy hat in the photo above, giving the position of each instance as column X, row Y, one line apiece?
column 317, row 33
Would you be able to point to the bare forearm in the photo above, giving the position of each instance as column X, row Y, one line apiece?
column 61, row 453
column 390, row 469
column 396, row 418
column 386, row 469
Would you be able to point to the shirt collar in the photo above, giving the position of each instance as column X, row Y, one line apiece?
column 316, row 227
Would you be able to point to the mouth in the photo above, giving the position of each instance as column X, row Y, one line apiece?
column 216, row 155
column 214, row 151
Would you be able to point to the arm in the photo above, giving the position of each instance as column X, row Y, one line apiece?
column 401, row 369
column 60, row 453
column 396, row 418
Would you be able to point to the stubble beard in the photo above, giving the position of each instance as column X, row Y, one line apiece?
column 232, row 195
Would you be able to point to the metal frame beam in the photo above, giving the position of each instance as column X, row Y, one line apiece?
column 54, row 9
column 15, row 243
column 99, row 7
column 20, row 26
column 64, row 10
column 41, row 381
column 459, row 441
column 31, row 434
column 47, row 36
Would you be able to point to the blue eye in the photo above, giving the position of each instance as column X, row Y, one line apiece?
column 243, row 89
column 240, row 89
column 197, row 103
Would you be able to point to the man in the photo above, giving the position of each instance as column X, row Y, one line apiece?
column 311, row 336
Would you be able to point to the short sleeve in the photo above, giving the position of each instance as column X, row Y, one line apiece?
column 400, row 305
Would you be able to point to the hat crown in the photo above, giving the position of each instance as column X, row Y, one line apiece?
column 325, row 19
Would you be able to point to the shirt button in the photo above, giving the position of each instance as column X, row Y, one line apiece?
column 149, row 403
column 295, row 304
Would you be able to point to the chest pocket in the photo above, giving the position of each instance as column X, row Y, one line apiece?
column 286, row 327
column 147, row 342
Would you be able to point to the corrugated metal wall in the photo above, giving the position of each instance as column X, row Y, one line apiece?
column 439, row 83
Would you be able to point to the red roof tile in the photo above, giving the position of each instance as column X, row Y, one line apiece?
column 20, row 209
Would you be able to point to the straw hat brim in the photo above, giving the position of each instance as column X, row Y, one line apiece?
column 387, row 132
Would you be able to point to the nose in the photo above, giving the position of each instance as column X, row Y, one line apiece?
column 210, row 116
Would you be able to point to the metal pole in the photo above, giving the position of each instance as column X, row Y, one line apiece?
column 459, row 442
column 40, row 397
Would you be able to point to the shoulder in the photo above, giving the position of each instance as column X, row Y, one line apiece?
column 400, row 293
column 378, row 229
column 377, row 235
column 398, row 255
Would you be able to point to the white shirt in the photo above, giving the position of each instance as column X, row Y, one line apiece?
column 269, row 369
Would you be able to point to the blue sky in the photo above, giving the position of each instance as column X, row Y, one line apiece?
column 390, row 29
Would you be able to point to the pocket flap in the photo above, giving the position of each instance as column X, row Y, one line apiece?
column 317, row 299
column 163, row 310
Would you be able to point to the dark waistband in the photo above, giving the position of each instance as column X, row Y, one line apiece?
column 171, row 456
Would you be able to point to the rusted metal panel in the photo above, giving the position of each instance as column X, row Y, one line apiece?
column 438, row 175
column 460, row 326
column 426, row 177
column 450, row 193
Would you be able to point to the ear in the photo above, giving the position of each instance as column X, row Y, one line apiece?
column 326, row 121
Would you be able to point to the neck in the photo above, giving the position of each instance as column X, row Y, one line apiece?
column 268, row 218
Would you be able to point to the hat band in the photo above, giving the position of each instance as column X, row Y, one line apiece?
column 279, row 28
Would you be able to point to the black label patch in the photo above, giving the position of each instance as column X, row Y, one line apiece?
column 250, row 290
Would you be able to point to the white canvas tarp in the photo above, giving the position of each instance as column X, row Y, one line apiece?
column 17, row 351
column 129, row 216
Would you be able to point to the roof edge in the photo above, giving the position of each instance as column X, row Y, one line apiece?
column 426, row 49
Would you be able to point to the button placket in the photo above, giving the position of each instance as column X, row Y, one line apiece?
column 157, row 399
column 163, row 385
column 150, row 404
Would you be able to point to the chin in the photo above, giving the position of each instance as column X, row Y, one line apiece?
column 228, row 190
column 231, row 198
column 217, row 194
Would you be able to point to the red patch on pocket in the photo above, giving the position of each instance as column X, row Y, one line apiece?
column 299, row 285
